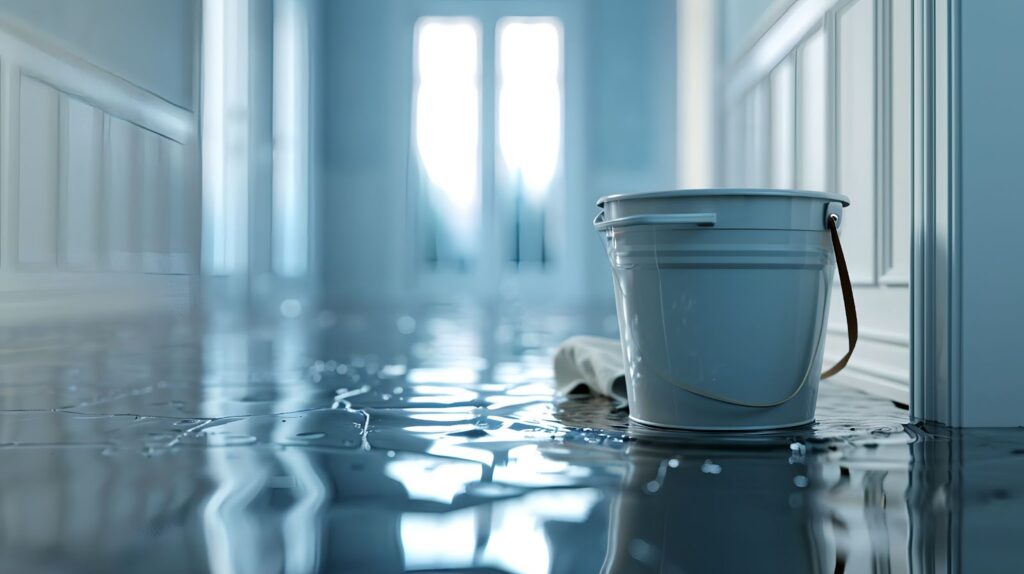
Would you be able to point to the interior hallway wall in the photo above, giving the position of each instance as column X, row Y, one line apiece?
column 738, row 22
column 100, row 158
column 151, row 43
column 628, row 89
column 823, row 99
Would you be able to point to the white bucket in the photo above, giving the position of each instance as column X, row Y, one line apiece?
column 722, row 298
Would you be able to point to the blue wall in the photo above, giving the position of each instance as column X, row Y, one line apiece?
column 150, row 43
column 739, row 19
column 627, row 90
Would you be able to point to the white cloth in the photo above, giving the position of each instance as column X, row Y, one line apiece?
column 594, row 363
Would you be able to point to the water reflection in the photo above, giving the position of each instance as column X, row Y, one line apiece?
column 368, row 444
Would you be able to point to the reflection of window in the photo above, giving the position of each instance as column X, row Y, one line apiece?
column 529, row 91
column 447, row 128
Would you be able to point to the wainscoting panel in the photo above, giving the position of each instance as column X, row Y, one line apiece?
column 855, row 140
column 81, row 184
column 182, row 201
column 895, row 268
column 783, row 128
column 854, row 108
column 38, row 169
column 123, row 159
column 812, row 114
column 98, row 186
column 153, row 189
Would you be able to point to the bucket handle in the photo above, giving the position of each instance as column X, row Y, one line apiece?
column 698, row 219
column 832, row 218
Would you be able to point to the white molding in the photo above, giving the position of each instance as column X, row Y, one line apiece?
column 790, row 27
column 876, row 335
column 28, row 297
column 967, row 281
column 55, row 65
column 866, row 381
column 935, row 326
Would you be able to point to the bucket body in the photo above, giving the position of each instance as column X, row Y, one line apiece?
column 722, row 299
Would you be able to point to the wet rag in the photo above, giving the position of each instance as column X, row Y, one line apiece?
column 593, row 364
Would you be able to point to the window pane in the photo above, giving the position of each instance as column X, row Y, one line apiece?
column 447, row 136
column 529, row 88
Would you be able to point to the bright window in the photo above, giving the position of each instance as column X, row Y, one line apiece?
column 452, row 94
column 447, row 133
column 529, row 92
column 530, row 102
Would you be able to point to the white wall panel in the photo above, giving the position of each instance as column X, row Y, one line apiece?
column 783, row 122
column 812, row 161
column 73, row 195
column 853, row 119
column 82, row 180
column 855, row 141
column 896, row 257
column 123, row 158
column 757, row 137
column 38, row 173
column 179, row 207
column 153, row 193
column 733, row 157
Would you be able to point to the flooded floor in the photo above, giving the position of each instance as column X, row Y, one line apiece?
column 382, row 442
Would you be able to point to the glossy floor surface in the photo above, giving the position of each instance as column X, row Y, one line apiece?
column 381, row 442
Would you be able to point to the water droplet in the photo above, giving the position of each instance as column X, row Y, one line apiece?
column 673, row 462
column 291, row 308
column 800, row 481
column 406, row 325
column 395, row 370
column 710, row 468
column 391, row 454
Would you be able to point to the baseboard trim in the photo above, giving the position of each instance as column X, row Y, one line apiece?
column 28, row 297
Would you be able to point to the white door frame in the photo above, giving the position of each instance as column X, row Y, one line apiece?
column 967, row 279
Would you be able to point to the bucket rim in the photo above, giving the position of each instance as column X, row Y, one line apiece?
column 726, row 191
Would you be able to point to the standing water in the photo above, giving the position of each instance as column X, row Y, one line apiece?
column 387, row 442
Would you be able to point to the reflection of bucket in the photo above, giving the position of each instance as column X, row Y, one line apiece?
column 715, row 509
column 722, row 298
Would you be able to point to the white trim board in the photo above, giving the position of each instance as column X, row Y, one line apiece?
column 30, row 297
column 967, row 278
